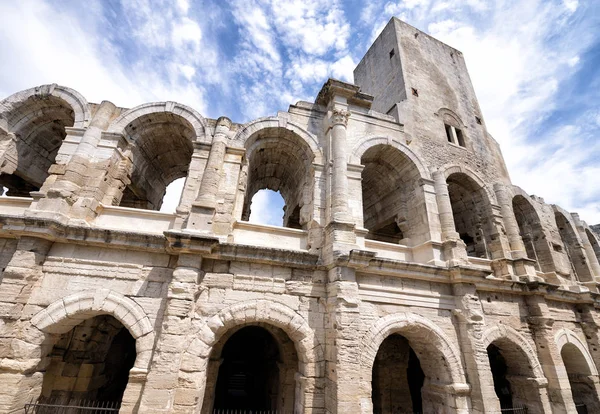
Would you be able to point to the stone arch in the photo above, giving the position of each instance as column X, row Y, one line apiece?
column 506, row 333
column 33, row 126
column 472, row 203
column 62, row 315
column 593, row 239
column 574, row 256
column 423, row 335
column 566, row 336
column 196, row 120
column 370, row 141
column 280, row 157
column 446, row 113
column 309, row 351
column 70, row 96
column 250, row 129
column 532, row 232
column 450, row 169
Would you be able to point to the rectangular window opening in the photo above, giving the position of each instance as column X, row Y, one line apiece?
column 449, row 133
column 460, row 137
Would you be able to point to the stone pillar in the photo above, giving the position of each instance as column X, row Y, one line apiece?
column 203, row 209
column 339, row 158
column 19, row 353
column 510, row 222
column 162, row 391
column 343, row 369
column 453, row 247
column 540, row 323
column 587, row 246
column 471, row 323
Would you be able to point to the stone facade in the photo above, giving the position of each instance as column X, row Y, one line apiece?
column 410, row 274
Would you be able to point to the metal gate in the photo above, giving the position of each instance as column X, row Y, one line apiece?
column 49, row 406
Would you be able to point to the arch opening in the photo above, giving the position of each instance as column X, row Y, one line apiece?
column 394, row 208
column 397, row 379
column 268, row 207
column 594, row 242
column 38, row 124
column 532, row 233
column 511, row 372
column 280, row 161
column 90, row 362
column 252, row 368
column 471, row 212
column 574, row 259
column 582, row 384
column 161, row 153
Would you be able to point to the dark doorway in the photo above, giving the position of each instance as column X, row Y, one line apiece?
column 90, row 362
column 249, row 375
column 397, row 378
column 499, row 370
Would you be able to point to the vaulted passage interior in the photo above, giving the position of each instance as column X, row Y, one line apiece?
column 582, row 383
column 397, row 378
column 394, row 209
column 279, row 160
column 574, row 256
column 162, row 151
column 39, row 126
column 254, row 369
column 511, row 372
column 472, row 214
column 91, row 361
column 532, row 233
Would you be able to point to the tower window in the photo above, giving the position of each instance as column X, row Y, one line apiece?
column 392, row 53
column 454, row 135
column 415, row 92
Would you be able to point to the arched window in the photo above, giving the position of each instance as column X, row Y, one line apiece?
column 280, row 161
column 472, row 214
column 582, row 383
column 574, row 255
column 38, row 124
column 161, row 152
column 532, row 233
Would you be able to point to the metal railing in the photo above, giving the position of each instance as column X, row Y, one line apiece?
column 49, row 406
column 515, row 410
column 243, row 411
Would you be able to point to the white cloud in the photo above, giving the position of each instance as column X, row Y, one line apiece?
column 172, row 196
column 187, row 32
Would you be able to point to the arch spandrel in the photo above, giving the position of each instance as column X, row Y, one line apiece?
column 367, row 142
column 194, row 118
column 506, row 333
column 243, row 138
column 566, row 336
column 71, row 97
column 415, row 328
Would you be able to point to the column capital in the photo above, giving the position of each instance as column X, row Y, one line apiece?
column 339, row 117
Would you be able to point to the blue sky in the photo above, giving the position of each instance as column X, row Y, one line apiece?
column 534, row 65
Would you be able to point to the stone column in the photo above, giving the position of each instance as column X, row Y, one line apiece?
column 540, row 323
column 203, row 209
column 162, row 391
column 510, row 222
column 453, row 247
column 20, row 378
column 339, row 158
column 587, row 246
column 343, row 343
column 471, row 323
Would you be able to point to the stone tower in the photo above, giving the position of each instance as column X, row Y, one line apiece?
column 409, row 274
